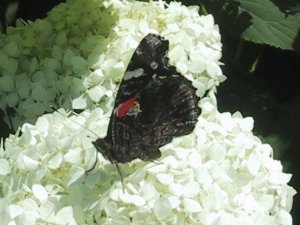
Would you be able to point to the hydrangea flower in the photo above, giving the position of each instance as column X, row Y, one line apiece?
column 77, row 55
column 220, row 174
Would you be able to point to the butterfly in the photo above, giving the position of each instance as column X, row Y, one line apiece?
column 153, row 105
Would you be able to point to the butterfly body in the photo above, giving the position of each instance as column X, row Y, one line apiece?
column 154, row 104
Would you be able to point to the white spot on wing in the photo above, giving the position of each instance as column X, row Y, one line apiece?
column 133, row 74
column 154, row 65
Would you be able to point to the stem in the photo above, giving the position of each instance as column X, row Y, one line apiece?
column 254, row 64
column 203, row 9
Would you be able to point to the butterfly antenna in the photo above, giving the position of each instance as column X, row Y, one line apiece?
column 121, row 175
column 54, row 109
column 94, row 165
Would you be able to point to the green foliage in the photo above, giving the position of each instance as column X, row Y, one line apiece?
column 260, row 21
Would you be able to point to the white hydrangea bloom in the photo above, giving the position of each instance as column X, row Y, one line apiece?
column 219, row 174
column 78, row 54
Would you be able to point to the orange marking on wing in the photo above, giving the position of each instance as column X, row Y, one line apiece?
column 124, row 107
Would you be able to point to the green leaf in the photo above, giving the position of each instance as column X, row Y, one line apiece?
column 288, row 6
column 272, row 22
column 295, row 9
column 270, row 25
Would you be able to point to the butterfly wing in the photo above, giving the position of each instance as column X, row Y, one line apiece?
column 154, row 104
column 169, row 108
column 150, row 56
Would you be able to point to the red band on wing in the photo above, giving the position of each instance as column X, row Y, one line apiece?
column 124, row 107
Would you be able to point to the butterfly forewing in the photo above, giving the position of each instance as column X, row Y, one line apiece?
column 154, row 104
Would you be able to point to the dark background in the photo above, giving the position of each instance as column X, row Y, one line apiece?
column 270, row 92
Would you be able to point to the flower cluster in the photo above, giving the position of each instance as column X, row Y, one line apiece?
column 219, row 174
column 78, row 54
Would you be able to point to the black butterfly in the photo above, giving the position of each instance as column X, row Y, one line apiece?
column 154, row 104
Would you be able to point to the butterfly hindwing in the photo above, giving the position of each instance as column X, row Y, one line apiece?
column 154, row 104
